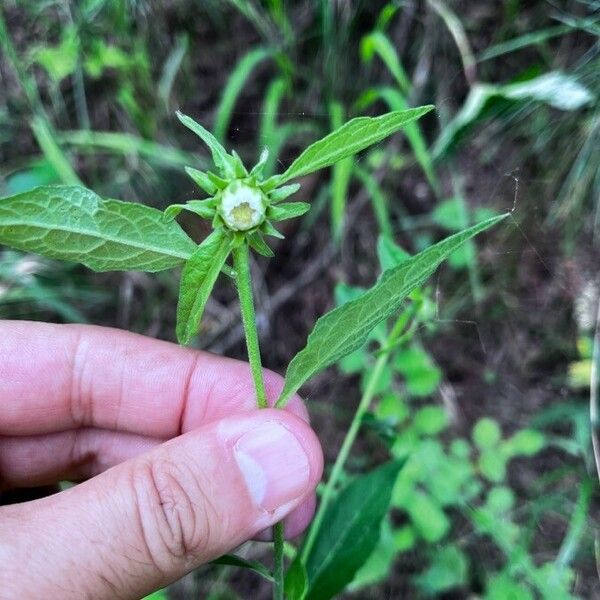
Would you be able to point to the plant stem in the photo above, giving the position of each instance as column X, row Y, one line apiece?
column 241, row 265
column 278, row 569
column 340, row 461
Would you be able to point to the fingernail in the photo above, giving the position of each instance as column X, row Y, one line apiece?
column 274, row 465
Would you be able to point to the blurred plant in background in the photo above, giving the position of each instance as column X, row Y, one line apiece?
column 486, row 389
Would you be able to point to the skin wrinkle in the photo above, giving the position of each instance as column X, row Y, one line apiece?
column 193, row 369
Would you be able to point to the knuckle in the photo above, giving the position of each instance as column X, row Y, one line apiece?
column 174, row 514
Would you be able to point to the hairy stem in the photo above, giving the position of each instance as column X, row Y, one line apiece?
column 241, row 265
column 278, row 569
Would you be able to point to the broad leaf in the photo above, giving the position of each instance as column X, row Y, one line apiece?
column 346, row 328
column 352, row 530
column 352, row 137
column 73, row 223
column 197, row 280
column 232, row 560
column 296, row 581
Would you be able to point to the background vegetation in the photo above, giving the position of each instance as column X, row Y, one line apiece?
column 487, row 393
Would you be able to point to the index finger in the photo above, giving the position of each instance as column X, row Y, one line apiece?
column 59, row 377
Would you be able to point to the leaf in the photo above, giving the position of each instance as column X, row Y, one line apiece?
column 219, row 155
column 202, row 180
column 197, row 280
column 234, row 86
column 232, row 560
column 284, row 192
column 354, row 136
column 555, row 89
column 73, row 223
column 202, row 208
column 389, row 253
column 289, row 210
column 296, row 581
column 448, row 569
column 353, row 528
column 346, row 328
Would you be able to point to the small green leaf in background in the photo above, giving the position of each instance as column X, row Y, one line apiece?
column 448, row 570
column 350, row 532
column 428, row 518
column 74, row 224
column 421, row 376
column 486, row 433
column 430, row 420
column 197, row 281
column 526, row 442
column 502, row 587
column 354, row 136
column 389, row 253
column 347, row 327
column 492, row 465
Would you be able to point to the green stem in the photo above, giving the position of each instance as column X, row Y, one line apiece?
column 342, row 457
column 278, row 569
column 241, row 265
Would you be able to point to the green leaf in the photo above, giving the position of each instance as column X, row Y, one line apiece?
column 486, row 433
column 202, row 180
column 234, row 86
column 526, row 442
column 347, row 327
column 197, row 280
column 378, row 565
column 73, row 223
column 389, row 253
column 232, row 560
column 219, row 155
column 289, row 210
column 296, row 581
column 202, row 208
column 257, row 243
column 448, row 569
column 354, row 136
column 353, row 527
column 284, row 192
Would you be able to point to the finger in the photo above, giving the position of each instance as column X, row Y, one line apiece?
column 145, row 523
column 79, row 454
column 58, row 377
column 74, row 455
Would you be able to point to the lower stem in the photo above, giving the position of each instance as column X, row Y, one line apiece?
column 278, row 569
column 241, row 264
column 343, row 454
column 342, row 457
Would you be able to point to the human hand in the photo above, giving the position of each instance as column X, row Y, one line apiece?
column 180, row 466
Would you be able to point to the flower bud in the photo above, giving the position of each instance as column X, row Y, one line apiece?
column 242, row 206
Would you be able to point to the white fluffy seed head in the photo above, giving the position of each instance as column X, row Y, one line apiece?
column 242, row 206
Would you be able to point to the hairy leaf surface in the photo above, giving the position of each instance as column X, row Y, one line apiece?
column 73, row 223
column 197, row 280
column 346, row 328
column 352, row 530
column 352, row 137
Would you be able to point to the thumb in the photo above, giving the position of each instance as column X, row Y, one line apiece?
column 150, row 520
